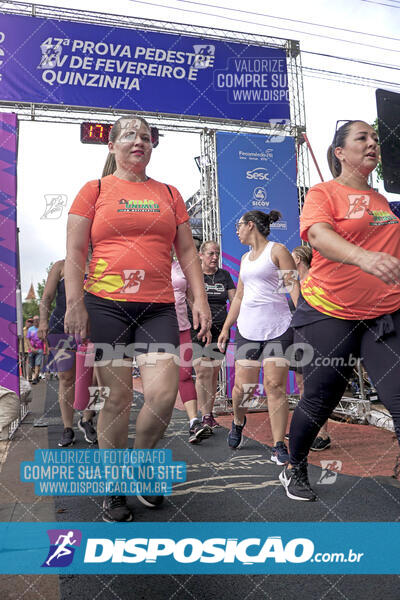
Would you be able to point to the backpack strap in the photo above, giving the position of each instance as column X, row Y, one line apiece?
column 169, row 189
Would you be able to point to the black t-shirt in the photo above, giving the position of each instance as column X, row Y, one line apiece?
column 305, row 314
column 217, row 286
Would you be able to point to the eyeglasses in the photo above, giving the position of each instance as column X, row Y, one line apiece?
column 239, row 223
column 130, row 136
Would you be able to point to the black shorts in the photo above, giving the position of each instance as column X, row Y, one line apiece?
column 262, row 350
column 211, row 350
column 127, row 329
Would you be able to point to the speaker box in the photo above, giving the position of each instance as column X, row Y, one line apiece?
column 388, row 108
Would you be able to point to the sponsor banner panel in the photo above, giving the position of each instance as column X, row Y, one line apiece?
column 255, row 172
column 8, row 253
column 200, row 548
column 61, row 62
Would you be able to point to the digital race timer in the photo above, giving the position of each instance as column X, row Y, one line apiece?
column 97, row 133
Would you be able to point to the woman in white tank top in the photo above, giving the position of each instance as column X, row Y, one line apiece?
column 264, row 336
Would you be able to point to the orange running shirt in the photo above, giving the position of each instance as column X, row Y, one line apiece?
column 133, row 228
column 364, row 219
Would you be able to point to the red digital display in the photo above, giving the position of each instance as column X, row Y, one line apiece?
column 95, row 133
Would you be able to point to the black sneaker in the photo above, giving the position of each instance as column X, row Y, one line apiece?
column 210, row 421
column 295, row 481
column 396, row 470
column 198, row 431
column 68, row 438
column 280, row 454
column 235, row 438
column 115, row 509
column 151, row 501
column 320, row 444
column 88, row 431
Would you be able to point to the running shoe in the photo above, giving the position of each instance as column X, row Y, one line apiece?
column 198, row 432
column 320, row 444
column 210, row 421
column 68, row 438
column 151, row 501
column 296, row 483
column 396, row 470
column 115, row 509
column 280, row 454
column 235, row 438
column 88, row 430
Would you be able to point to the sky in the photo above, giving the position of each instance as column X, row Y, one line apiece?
column 53, row 161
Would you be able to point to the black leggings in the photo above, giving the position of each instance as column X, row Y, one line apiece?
column 336, row 344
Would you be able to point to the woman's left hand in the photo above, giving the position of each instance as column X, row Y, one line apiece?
column 43, row 330
column 201, row 317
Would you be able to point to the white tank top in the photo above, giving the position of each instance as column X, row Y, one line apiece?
column 264, row 312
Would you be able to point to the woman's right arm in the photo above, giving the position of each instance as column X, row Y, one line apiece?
column 332, row 246
column 76, row 319
column 232, row 316
column 47, row 298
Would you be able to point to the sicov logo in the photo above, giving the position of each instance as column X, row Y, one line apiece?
column 259, row 174
column 62, row 547
column 259, row 197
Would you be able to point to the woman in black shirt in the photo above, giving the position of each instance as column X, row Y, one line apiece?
column 207, row 358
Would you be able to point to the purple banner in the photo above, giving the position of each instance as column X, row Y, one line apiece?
column 8, row 252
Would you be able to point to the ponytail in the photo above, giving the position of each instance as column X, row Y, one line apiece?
column 110, row 166
column 262, row 220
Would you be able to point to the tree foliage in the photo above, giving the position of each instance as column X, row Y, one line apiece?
column 31, row 307
column 378, row 170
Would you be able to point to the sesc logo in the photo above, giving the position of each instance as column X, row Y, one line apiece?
column 258, row 174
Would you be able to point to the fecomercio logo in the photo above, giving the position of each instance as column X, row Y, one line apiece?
column 190, row 550
column 62, row 547
column 259, row 174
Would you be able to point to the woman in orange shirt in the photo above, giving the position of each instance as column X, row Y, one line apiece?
column 350, row 304
column 127, row 303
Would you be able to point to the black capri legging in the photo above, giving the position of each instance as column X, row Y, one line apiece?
column 336, row 344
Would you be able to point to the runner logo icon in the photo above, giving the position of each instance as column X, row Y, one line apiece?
column 330, row 471
column 204, row 56
column 63, row 543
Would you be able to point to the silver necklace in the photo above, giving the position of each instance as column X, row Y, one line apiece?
column 213, row 277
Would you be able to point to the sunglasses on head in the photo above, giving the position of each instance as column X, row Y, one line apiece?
column 337, row 127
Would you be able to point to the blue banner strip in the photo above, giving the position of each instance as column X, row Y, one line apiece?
column 200, row 548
